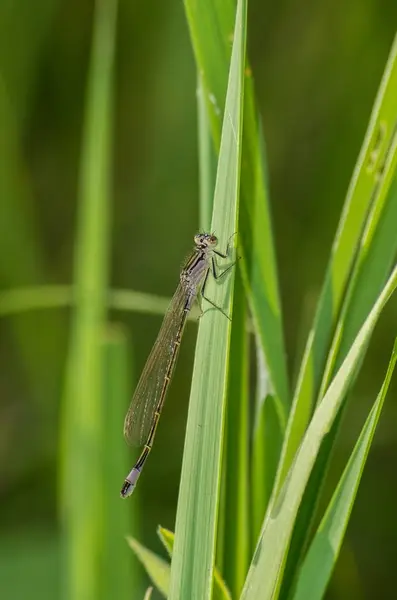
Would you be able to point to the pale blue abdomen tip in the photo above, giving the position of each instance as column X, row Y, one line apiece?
column 130, row 483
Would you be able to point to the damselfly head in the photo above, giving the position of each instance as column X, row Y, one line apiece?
column 205, row 240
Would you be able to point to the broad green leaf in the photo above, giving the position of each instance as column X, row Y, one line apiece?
column 323, row 553
column 157, row 568
column 194, row 553
column 265, row 576
column 82, row 414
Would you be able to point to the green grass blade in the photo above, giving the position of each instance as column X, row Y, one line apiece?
column 35, row 298
column 120, row 573
column 82, row 409
column 363, row 186
column 264, row 578
column 62, row 296
column 207, row 160
column 167, row 538
column 267, row 439
column 157, row 568
column 220, row 590
column 236, row 530
column 193, row 558
column 129, row 300
column 211, row 27
column 321, row 558
column 375, row 257
column 148, row 593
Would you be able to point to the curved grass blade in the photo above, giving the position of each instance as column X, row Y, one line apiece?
column 363, row 188
column 148, row 593
column 265, row 575
column 156, row 567
column 194, row 553
column 375, row 256
column 321, row 558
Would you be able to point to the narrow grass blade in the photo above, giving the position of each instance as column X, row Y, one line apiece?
column 36, row 298
column 207, row 160
column 362, row 190
column 148, row 593
column 131, row 301
column 194, row 553
column 220, row 590
column 375, row 257
column 62, row 296
column 266, row 570
column 211, row 29
column 167, row 538
column 321, row 558
column 267, row 439
column 236, row 552
column 121, row 571
column 157, row 568
column 81, row 471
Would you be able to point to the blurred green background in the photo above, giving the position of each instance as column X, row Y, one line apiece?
column 317, row 67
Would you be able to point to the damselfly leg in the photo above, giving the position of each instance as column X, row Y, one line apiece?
column 217, row 277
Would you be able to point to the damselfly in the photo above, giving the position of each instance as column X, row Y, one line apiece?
column 144, row 411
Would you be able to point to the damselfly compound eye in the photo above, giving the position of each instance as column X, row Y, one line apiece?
column 198, row 239
column 213, row 240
